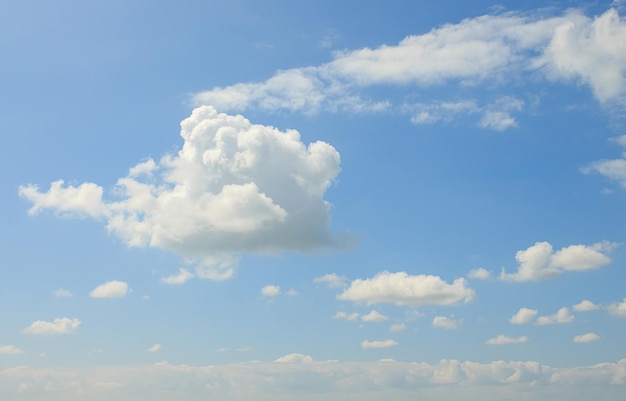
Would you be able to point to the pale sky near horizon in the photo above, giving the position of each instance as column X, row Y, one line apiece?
column 349, row 200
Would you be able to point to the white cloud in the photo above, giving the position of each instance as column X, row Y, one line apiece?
column 182, row 277
column 490, row 49
column 270, row 291
column 585, row 306
column 294, row 358
column 346, row 316
column 539, row 262
column 403, row 289
column 397, row 327
column 110, row 289
column 618, row 308
column 233, row 187
column 10, row 350
column 57, row 326
column 586, row 338
column 291, row 292
column 562, row 316
column 447, row 323
column 332, row 280
column 374, row 316
column 154, row 348
column 479, row 274
column 524, row 315
column 614, row 169
column 378, row 344
column 500, row 340
column 62, row 293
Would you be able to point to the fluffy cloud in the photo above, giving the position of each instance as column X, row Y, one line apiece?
column 562, row 316
column 403, row 289
column 586, row 338
column 110, row 289
column 447, row 323
column 270, row 291
column 446, row 380
column 294, row 358
column 397, row 327
column 539, row 262
column 154, row 348
column 233, row 187
column 332, row 280
column 346, row 316
column 585, row 306
column 490, row 48
column 500, row 340
column 378, row 344
column 618, row 308
column 182, row 277
column 374, row 316
column 614, row 169
column 62, row 293
column 479, row 274
column 10, row 350
column 524, row 315
column 57, row 326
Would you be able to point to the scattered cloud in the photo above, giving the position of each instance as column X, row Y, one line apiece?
column 57, row 326
column 613, row 169
column 62, row 293
column 562, row 316
column 397, row 327
column 447, row 323
column 291, row 292
column 539, row 262
column 244, row 349
column 294, row 358
column 270, row 291
column 403, row 289
column 586, row 338
column 10, row 350
column 379, row 344
column 233, row 187
column 110, row 289
column 154, row 348
column 524, row 315
column 479, row 274
column 500, row 340
column 374, row 316
column 332, row 280
column 346, row 316
column 618, row 308
column 585, row 306
column 181, row 278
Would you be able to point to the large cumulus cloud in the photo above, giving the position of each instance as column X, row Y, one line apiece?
column 233, row 187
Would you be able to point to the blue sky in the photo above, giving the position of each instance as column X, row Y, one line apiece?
column 353, row 200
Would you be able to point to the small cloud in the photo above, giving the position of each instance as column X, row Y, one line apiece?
column 524, row 315
column 586, row 338
column 292, row 292
column 57, row 326
column 561, row 317
column 110, row 289
column 346, row 316
column 223, row 349
column 500, row 340
column 446, row 323
column 154, row 348
column 379, row 344
column 182, row 277
column 294, row 358
column 332, row 280
column 270, row 291
column 618, row 308
column 62, row 293
column 244, row 349
column 10, row 350
column 479, row 274
column 397, row 327
column 373, row 316
column 585, row 306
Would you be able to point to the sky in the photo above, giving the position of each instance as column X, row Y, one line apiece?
column 284, row 200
